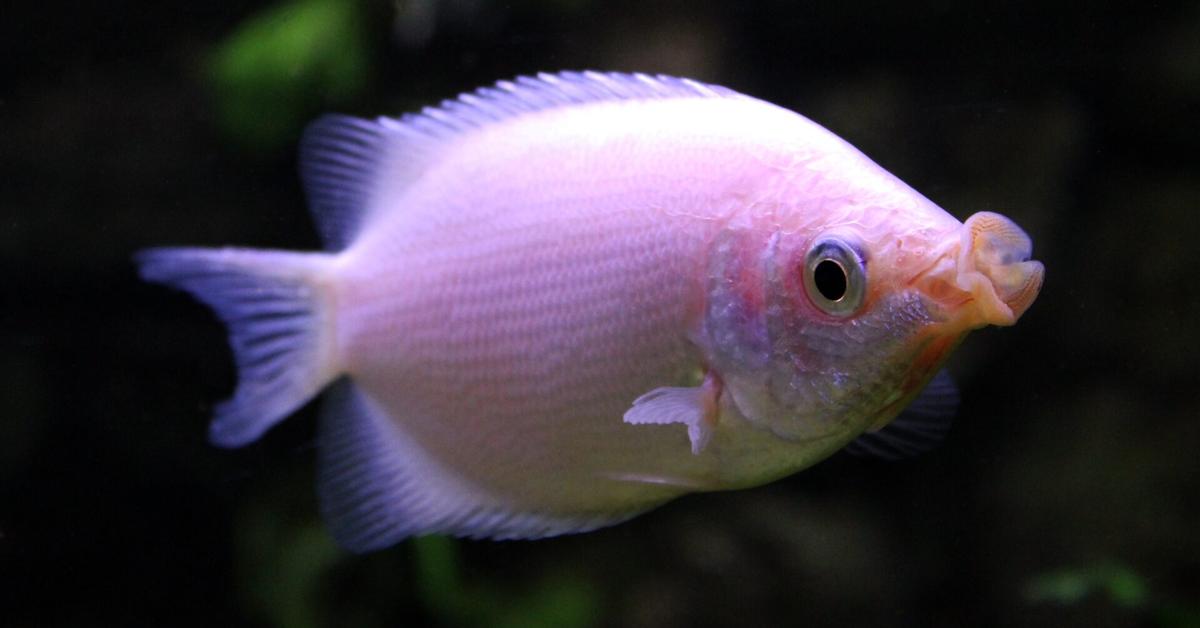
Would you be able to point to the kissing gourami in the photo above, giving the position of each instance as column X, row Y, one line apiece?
column 553, row 304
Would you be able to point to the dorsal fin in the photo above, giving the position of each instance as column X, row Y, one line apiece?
column 351, row 167
column 340, row 161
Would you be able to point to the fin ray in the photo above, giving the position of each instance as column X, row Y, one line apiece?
column 278, row 328
column 692, row 406
column 349, row 163
column 377, row 486
column 918, row 429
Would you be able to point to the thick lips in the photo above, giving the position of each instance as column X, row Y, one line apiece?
column 994, row 267
column 983, row 276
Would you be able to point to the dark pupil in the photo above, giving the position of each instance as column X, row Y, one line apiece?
column 830, row 279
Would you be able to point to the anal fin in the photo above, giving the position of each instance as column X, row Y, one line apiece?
column 377, row 486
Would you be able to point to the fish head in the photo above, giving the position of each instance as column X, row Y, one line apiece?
column 830, row 329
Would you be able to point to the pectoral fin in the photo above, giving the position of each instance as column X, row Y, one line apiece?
column 695, row 407
column 918, row 429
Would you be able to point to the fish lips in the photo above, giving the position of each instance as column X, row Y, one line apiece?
column 995, row 267
column 986, row 276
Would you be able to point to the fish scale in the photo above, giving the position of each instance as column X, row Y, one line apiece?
column 522, row 283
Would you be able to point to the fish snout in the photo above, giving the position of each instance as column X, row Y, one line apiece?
column 994, row 266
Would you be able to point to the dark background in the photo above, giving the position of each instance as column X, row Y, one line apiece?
column 1067, row 493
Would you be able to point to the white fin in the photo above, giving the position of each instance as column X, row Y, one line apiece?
column 695, row 407
column 278, row 322
column 377, row 486
column 918, row 429
column 349, row 163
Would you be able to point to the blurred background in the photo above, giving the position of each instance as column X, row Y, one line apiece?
column 1067, row 493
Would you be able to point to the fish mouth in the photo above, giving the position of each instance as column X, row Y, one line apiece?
column 986, row 276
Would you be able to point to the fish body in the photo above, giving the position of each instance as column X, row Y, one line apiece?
column 554, row 304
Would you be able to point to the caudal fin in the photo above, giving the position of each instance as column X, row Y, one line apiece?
column 280, row 328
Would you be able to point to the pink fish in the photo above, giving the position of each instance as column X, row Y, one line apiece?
column 556, row 303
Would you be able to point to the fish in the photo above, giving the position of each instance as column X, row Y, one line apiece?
column 553, row 304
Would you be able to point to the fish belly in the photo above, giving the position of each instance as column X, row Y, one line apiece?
column 511, row 353
column 508, row 313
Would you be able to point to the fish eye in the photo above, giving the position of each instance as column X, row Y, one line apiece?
column 835, row 277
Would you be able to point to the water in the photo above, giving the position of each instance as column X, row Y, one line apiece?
column 1065, row 494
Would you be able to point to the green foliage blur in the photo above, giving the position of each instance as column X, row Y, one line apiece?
column 1122, row 586
column 559, row 600
column 1117, row 584
column 283, row 65
column 1076, row 439
column 287, row 569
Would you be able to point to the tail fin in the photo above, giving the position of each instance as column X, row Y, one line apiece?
column 280, row 324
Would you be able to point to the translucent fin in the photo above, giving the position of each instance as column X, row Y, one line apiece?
column 354, row 169
column 278, row 322
column 530, row 94
column 340, row 159
column 918, row 429
column 377, row 486
column 695, row 407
